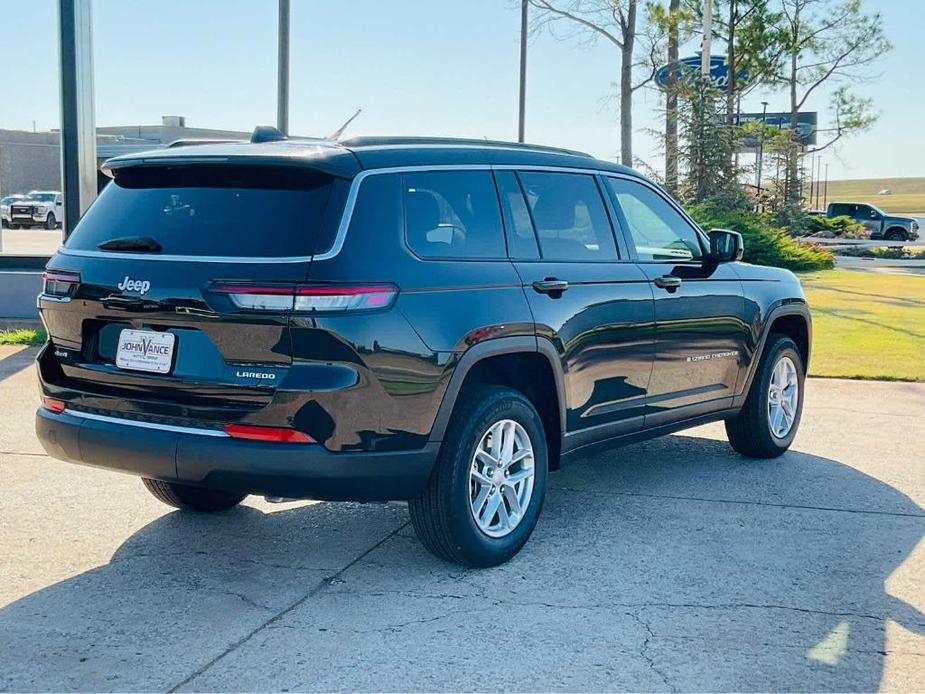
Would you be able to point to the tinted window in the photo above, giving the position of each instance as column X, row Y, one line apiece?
column 521, row 239
column 211, row 210
column 569, row 216
column 839, row 210
column 657, row 229
column 453, row 214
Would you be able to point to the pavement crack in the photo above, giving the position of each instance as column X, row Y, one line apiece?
column 644, row 650
column 285, row 611
column 743, row 502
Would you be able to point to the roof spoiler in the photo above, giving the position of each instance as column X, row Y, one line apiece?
column 267, row 133
column 191, row 141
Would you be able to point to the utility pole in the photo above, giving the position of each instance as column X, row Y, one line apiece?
column 78, row 127
column 282, row 69
column 523, row 70
column 818, row 178
column 707, row 37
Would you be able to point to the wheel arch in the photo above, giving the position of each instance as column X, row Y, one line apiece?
column 528, row 364
column 792, row 319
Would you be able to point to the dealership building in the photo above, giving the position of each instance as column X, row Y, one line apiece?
column 32, row 160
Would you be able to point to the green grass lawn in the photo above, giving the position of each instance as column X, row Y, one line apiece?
column 908, row 193
column 867, row 325
column 22, row 337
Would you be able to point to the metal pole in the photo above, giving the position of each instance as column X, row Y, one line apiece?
column 812, row 176
column 282, row 75
column 760, row 153
column 523, row 71
column 78, row 129
column 818, row 177
column 707, row 37
column 825, row 190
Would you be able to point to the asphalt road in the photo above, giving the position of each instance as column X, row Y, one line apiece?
column 669, row 565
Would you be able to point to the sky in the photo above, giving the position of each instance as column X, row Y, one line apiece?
column 425, row 67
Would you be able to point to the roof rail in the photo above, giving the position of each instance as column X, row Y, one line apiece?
column 267, row 133
column 192, row 141
column 398, row 141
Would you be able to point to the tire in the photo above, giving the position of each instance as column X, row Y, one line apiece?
column 750, row 432
column 895, row 235
column 50, row 221
column 188, row 498
column 442, row 515
column 14, row 226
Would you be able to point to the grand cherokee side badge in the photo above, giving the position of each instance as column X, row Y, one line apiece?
column 715, row 355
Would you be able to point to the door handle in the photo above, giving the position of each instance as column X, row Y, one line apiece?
column 550, row 285
column 669, row 282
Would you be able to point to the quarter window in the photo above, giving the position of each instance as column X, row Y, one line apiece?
column 659, row 232
column 521, row 239
column 569, row 216
column 453, row 214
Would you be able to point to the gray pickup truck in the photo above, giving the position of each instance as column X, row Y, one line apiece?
column 880, row 224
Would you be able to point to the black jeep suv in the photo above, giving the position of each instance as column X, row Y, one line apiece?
column 437, row 321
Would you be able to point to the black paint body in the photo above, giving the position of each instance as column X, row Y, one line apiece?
column 376, row 389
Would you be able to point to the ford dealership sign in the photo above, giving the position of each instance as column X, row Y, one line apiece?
column 688, row 67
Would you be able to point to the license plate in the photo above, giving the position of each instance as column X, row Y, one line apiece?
column 145, row 350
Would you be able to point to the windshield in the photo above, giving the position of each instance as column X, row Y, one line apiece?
column 43, row 197
column 205, row 210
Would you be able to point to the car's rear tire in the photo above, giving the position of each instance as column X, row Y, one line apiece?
column 13, row 226
column 51, row 222
column 770, row 417
column 189, row 498
column 493, row 461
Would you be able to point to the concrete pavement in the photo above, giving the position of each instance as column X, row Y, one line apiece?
column 668, row 565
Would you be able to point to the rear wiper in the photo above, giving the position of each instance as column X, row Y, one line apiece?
column 131, row 243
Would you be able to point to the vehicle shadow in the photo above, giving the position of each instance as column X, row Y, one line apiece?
column 17, row 361
column 674, row 564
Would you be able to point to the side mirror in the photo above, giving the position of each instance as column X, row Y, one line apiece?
column 725, row 246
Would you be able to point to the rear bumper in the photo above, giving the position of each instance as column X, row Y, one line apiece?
column 214, row 460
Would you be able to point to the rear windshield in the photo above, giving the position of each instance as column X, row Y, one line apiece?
column 206, row 210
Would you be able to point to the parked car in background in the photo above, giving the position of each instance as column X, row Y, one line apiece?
column 5, row 207
column 40, row 208
column 432, row 320
column 879, row 223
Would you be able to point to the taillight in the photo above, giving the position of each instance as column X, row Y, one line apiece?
column 273, row 434
column 58, row 283
column 307, row 298
column 53, row 405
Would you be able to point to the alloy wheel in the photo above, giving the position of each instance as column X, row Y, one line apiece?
column 501, row 478
column 783, row 397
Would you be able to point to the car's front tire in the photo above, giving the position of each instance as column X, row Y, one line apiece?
column 51, row 222
column 895, row 235
column 489, row 481
column 770, row 417
column 189, row 498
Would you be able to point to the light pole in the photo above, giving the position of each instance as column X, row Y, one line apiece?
column 523, row 70
column 282, row 69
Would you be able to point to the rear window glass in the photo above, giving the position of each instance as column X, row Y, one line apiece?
column 239, row 211
column 453, row 214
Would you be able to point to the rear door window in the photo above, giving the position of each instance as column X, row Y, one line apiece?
column 206, row 210
column 569, row 216
column 453, row 214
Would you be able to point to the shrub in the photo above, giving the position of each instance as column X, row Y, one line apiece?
column 839, row 227
column 765, row 243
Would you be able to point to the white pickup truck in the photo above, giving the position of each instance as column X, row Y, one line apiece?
column 40, row 208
